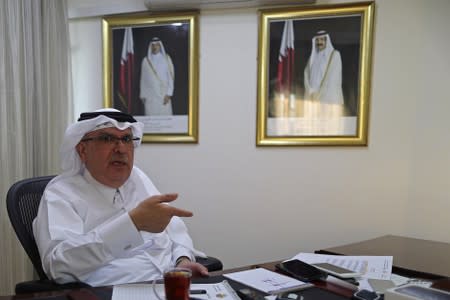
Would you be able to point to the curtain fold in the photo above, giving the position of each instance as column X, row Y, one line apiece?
column 35, row 108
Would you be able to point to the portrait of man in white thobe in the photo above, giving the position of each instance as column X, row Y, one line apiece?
column 157, row 80
column 323, row 79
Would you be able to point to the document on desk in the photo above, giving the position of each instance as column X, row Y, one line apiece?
column 144, row 291
column 374, row 267
column 267, row 281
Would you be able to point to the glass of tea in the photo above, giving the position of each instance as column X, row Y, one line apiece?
column 176, row 284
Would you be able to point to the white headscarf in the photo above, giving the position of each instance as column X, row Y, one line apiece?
column 319, row 61
column 156, row 41
column 70, row 160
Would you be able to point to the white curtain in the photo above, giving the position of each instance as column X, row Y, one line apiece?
column 35, row 108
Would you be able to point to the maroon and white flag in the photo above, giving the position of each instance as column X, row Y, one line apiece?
column 286, row 61
column 126, row 69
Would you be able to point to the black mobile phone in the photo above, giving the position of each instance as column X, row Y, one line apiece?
column 366, row 295
column 301, row 270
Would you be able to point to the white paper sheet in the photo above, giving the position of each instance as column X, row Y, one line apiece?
column 133, row 291
column 138, row 291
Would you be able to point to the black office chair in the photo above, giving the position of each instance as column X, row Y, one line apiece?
column 22, row 202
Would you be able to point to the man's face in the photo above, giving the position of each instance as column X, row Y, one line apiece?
column 109, row 161
column 321, row 42
column 156, row 47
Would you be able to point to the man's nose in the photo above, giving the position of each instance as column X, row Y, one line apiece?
column 120, row 145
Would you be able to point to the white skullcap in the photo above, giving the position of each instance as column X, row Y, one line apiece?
column 102, row 118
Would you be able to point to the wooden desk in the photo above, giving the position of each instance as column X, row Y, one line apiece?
column 412, row 257
column 106, row 291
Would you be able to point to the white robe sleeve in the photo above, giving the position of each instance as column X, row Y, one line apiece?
column 67, row 252
column 331, row 89
column 177, row 230
column 171, row 76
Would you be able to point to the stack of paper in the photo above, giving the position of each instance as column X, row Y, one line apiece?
column 267, row 281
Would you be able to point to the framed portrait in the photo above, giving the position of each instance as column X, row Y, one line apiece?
column 314, row 69
column 150, row 70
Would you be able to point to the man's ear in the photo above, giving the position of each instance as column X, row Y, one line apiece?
column 81, row 150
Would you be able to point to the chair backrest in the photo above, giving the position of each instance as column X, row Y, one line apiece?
column 22, row 202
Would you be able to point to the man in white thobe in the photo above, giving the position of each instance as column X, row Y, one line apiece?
column 157, row 80
column 102, row 221
column 323, row 79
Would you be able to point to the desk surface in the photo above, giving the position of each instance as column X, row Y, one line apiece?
column 105, row 292
column 412, row 257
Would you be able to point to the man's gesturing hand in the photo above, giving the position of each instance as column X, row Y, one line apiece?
column 153, row 215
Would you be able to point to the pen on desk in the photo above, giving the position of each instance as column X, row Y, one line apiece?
column 197, row 292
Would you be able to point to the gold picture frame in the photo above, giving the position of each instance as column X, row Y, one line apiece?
column 302, row 99
column 150, row 70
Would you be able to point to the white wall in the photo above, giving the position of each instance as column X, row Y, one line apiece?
column 429, row 198
column 254, row 204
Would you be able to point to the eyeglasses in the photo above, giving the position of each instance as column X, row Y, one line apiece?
column 108, row 139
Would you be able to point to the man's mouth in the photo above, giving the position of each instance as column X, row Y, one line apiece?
column 118, row 163
column 119, row 160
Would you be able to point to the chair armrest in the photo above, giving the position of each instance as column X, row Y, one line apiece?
column 35, row 286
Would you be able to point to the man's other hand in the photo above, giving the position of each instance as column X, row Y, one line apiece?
column 153, row 215
column 196, row 268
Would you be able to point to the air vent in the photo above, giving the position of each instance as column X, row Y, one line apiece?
column 218, row 4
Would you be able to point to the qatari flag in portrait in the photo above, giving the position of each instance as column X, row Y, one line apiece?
column 126, row 69
column 286, row 60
